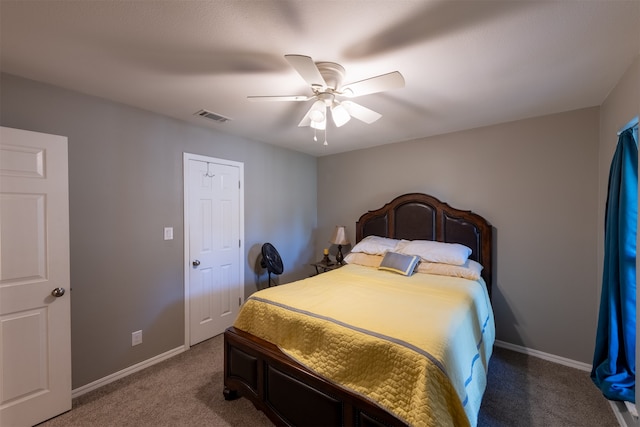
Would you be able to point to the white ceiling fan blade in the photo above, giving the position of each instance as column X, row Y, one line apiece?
column 306, row 121
column 361, row 113
column 376, row 84
column 307, row 69
column 279, row 98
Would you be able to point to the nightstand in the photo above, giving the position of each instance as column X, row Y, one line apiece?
column 322, row 267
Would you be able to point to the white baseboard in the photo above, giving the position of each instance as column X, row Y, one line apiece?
column 625, row 412
column 546, row 356
column 127, row 371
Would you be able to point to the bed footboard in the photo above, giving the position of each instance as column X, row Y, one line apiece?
column 287, row 392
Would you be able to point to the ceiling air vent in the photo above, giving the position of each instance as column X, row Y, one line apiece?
column 212, row 116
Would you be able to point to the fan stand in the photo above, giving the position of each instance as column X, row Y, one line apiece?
column 269, row 279
column 264, row 265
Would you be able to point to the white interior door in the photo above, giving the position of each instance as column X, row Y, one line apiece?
column 35, row 321
column 214, row 262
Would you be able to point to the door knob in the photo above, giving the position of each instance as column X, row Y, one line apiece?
column 196, row 263
column 57, row 292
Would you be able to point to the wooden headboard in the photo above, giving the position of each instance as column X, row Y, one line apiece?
column 417, row 216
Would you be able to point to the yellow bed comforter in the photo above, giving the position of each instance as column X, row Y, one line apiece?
column 418, row 346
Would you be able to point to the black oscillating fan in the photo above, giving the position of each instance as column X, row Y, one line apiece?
column 271, row 260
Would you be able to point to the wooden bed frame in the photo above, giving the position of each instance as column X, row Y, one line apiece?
column 292, row 395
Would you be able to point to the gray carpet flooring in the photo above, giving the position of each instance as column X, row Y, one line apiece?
column 186, row 390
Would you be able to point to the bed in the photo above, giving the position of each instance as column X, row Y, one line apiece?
column 317, row 365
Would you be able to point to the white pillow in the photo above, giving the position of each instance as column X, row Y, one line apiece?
column 375, row 245
column 429, row 251
column 470, row 270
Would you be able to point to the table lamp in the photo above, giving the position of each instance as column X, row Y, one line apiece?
column 339, row 238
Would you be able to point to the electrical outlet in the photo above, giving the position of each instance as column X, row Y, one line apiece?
column 136, row 338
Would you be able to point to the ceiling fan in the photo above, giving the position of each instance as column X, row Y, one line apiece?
column 325, row 79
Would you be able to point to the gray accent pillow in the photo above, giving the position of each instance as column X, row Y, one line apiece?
column 399, row 263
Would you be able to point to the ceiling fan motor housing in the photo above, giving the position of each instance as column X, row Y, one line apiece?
column 332, row 73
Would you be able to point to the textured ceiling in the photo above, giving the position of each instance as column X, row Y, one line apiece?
column 466, row 63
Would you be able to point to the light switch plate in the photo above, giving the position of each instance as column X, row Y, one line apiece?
column 136, row 338
column 168, row 233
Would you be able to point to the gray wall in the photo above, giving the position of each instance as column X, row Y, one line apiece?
column 535, row 180
column 125, row 173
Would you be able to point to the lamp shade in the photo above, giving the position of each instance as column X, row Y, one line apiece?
column 318, row 110
column 316, row 117
column 321, row 125
column 339, row 236
column 340, row 115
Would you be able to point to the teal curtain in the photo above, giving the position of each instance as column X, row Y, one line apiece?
column 614, row 361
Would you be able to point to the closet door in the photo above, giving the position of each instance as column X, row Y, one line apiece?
column 214, row 211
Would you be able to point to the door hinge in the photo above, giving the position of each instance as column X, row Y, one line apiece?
column 238, row 185
column 239, row 301
column 239, row 243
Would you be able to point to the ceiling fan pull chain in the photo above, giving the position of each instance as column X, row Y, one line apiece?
column 325, row 136
column 315, row 138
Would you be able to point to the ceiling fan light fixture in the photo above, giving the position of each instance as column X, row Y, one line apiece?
column 321, row 125
column 317, row 113
column 316, row 116
column 340, row 115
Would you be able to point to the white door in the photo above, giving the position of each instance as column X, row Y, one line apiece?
column 215, row 281
column 35, row 321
